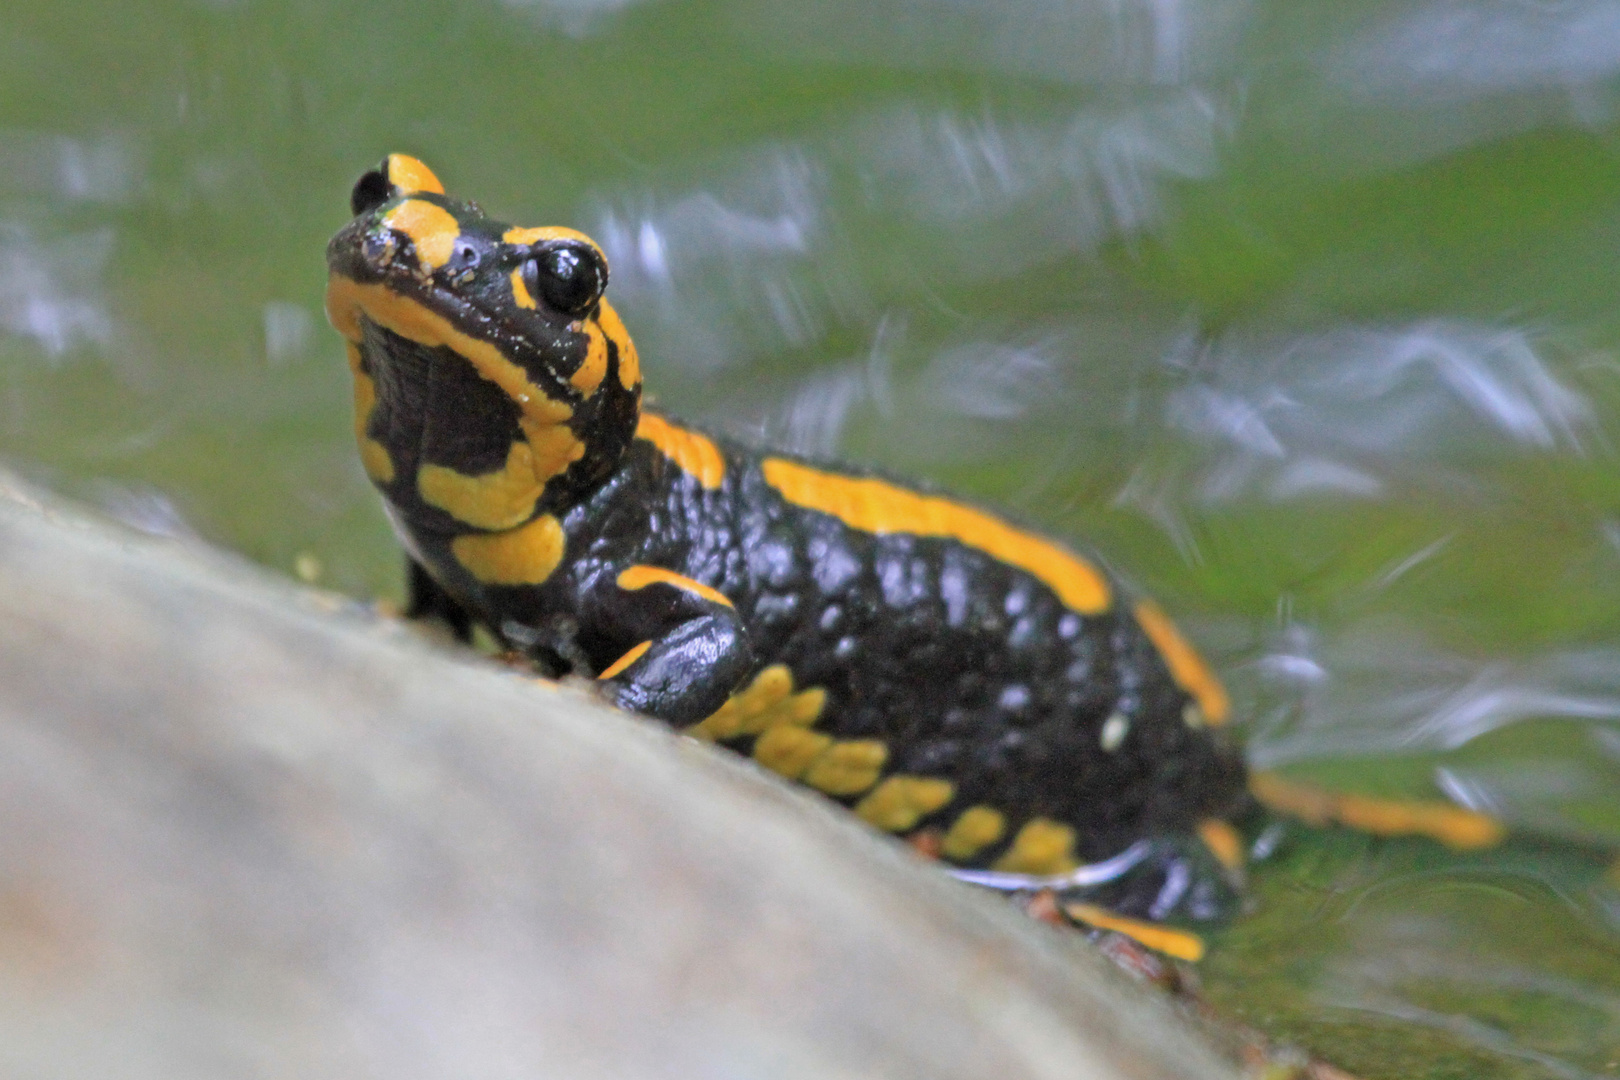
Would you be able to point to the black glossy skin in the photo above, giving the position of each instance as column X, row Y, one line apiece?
column 966, row 668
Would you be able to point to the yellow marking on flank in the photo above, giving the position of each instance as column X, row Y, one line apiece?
column 879, row 507
column 767, row 702
column 373, row 454
column 847, row 768
column 1186, row 666
column 641, row 575
column 635, row 653
column 1223, row 842
column 898, row 803
column 629, row 363
column 524, row 237
column 974, row 830
column 348, row 300
column 520, row 292
column 525, row 555
column 411, row 177
column 1463, row 830
column 789, row 750
column 1042, row 846
column 696, row 454
column 1178, row 944
column 503, row 499
column 433, row 230
column 593, row 369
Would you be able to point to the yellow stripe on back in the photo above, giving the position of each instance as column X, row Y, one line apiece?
column 696, row 454
column 1186, row 666
column 879, row 507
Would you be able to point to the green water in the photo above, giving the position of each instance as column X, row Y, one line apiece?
column 1300, row 313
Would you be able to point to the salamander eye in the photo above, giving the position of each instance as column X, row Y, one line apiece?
column 569, row 275
column 370, row 192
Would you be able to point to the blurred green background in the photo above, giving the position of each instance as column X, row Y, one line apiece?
column 1301, row 313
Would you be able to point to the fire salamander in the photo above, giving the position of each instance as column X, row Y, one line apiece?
column 988, row 693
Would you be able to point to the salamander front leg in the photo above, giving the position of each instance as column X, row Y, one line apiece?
column 682, row 646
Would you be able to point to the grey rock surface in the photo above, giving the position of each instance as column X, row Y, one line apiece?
column 255, row 831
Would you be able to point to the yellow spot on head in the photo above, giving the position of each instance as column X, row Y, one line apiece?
column 976, row 829
column 348, row 300
column 1223, row 842
column 629, row 364
column 410, row 176
column 696, row 454
column 640, row 576
column 520, row 292
column 523, row 556
column 1186, row 666
column 1042, row 847
column 431, row 228
column 847, row 768
column 898, row 803
column 630, row 657
column 879, row 507
column 1178, row 944
column 789, row 750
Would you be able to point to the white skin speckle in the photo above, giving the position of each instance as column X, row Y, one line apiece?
column 1114, row 730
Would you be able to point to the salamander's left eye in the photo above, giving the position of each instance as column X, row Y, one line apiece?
column 569, row 275
column 370, row 192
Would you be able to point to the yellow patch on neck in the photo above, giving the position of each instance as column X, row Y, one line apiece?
column 431, row 228
column 373, row 454
column 498, row 500
column 879, row 507
column 526, row 555
column 695, row 453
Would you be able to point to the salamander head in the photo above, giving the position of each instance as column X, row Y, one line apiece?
column 492, row 380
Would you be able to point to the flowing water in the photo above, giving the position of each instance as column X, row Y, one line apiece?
column 1303, row 313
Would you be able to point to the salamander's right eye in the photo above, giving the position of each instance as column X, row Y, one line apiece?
column 569, row 275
